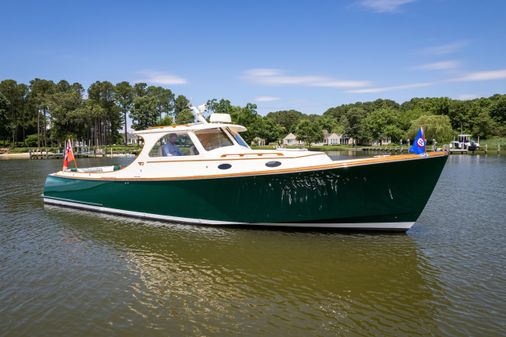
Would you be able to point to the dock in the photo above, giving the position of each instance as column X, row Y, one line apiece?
column 37, row 155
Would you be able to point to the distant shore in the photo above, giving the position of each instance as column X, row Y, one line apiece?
column 15, row 156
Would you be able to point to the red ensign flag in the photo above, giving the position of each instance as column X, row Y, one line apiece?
column 69, row 156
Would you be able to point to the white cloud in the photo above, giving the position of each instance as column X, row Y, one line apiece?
column 162, row 78
column 391, row 88
column 491, row 75
column 466, row 97
column 441, row 65
column 266, row 99
column 383, row 6
column 278, row 77
column 444, row 49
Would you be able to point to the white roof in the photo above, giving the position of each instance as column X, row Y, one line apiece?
column 290, row 136
column 189, row 127
column 333, row 136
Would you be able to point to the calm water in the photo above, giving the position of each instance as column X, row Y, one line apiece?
column 73, row 273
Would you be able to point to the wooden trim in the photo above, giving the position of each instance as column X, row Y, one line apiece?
column 334, row 165
column 254, row 154
column 219, row 159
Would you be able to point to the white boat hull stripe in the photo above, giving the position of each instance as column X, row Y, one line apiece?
column 363, row 225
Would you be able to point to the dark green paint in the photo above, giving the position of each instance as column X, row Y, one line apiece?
column 386, row 192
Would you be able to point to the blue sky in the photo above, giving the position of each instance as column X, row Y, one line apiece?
column 304, row 55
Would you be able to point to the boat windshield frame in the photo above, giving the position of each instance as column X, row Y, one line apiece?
column 237, row 138
column 212, row 143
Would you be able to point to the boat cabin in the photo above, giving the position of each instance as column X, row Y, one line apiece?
column 191, row 140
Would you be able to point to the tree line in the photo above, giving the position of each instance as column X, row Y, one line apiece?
column 44, row 113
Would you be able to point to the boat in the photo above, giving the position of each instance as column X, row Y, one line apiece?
column 463, row 144
column 205, row 173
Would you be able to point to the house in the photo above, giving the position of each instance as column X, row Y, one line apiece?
column 337, row 139
column 328, row 139
column 133, row 139
column 291, row 140
column 257, row 141
column 383, row 141
column 332, row 139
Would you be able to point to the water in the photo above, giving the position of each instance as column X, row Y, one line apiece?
column 73, row 273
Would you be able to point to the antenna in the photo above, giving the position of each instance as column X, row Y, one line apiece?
column 198, row 112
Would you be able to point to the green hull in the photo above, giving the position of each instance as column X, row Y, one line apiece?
column 391, row 192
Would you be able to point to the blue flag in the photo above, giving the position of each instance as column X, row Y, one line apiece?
column 419, row 143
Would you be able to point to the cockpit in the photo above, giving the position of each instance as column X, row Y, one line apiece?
column 196, row 142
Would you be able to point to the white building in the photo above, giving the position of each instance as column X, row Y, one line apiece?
column 337, row 139
column 133, row 139
column 291, row 140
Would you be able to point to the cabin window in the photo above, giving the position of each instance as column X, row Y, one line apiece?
column 238, row 138
column 213, row 139
column 173, row 145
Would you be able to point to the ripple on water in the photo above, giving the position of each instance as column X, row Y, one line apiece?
column 79, row 273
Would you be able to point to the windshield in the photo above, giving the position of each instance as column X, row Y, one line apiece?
column 213, row 138
column 174, row 144
column 238, row 138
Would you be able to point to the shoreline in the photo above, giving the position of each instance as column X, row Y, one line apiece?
column 26, row 156
column 8, row 156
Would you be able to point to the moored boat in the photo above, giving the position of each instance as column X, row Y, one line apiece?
column 205, row 173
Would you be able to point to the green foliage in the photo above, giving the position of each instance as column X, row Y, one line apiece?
column 221, row 106
column 124, row 98
column 308, row 132
column 288, row 119
column 55, row 111
column 352, row 121
column 32, row 140
column 483, row 125
column 248, row 117
column 102, row 93
column 435, row 127
column 182, row 111
column 4, row 119
column 381, row 124
column 144, row 113
column 270, row 130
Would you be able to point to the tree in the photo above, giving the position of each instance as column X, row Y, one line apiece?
column 63, row 119
column 498, row 108
column 16, row 96
column 270, row 130
column 352, row 122
column 124, row 97
column 39, row 94
column 110, row 122
column 435, row 127
column 249, row 118
column 288, row 119
column 380, row 124
column 483, row 124
column 4, row 130
column 164, row 99
column 144, row 113
column 182, row 111
column 330, row 124
column 86, row 119
column 221, row 106
column 140, row 89
column 308, row 132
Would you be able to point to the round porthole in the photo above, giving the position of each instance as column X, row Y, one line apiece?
column 224, row 166
column 272, row 164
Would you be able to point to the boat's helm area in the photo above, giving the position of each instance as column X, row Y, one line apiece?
column 192, row 143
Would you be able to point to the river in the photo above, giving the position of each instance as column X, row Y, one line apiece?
column 74, row 273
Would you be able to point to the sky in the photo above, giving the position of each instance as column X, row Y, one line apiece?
column 303, row 55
